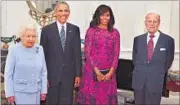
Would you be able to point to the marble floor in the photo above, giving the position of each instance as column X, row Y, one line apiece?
column 173, row 98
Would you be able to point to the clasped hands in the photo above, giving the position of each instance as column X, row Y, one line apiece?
column 101, row 77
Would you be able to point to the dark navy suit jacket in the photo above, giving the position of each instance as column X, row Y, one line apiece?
column 151, row 74
column 62, row 66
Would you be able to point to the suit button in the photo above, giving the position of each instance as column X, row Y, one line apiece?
column 63, row 65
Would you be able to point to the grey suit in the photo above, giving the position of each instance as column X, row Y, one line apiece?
column 62, row 66
column 148, row 78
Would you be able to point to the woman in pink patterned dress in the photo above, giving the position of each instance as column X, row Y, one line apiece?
column 102, row 45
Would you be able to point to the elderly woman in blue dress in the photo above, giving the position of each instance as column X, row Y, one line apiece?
column 25, row 70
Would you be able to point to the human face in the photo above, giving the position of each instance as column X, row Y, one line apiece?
column 62, row 13
column 152, row 23
column 29, row 38
column 104, row 19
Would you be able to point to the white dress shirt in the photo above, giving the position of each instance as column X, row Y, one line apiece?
column 59, row 25
column 155, row 39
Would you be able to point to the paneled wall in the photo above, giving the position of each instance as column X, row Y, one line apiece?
column 129, row 17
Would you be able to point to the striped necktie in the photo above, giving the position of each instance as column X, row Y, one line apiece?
column 62, row 36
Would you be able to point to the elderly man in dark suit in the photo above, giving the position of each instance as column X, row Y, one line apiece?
column 62, row 48
column 153, row 54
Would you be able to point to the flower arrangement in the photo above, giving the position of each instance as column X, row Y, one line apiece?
column 173, row 81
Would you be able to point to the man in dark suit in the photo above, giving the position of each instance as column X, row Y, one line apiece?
column 153, row 54
column 62, row 48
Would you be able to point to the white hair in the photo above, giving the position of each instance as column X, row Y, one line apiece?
column 26, row 27
column 154, row 13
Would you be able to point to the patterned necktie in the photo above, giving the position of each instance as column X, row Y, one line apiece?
column 62, row 36
column 150, row 47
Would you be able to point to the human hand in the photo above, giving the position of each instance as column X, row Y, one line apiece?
column 11, row 99
column 43, row 97
column 77, row 82
column 108, row 76
column 99, row 75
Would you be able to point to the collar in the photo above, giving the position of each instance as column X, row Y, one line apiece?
column 60, row 25
column 156, row 34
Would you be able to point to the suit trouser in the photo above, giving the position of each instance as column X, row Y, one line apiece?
column 60, row 94
column 145, row 97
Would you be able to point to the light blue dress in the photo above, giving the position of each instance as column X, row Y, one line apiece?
column 25, row 74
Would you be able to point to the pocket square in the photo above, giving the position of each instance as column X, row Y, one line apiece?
column 162, row 49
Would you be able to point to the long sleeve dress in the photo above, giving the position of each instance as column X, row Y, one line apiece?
column 102, row 51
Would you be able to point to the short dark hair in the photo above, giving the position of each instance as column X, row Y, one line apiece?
column 61, row 2
column 100, row 11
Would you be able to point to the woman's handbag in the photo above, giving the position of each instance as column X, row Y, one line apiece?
column 104, row 72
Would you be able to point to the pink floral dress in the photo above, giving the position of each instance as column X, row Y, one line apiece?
column 102, row 51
